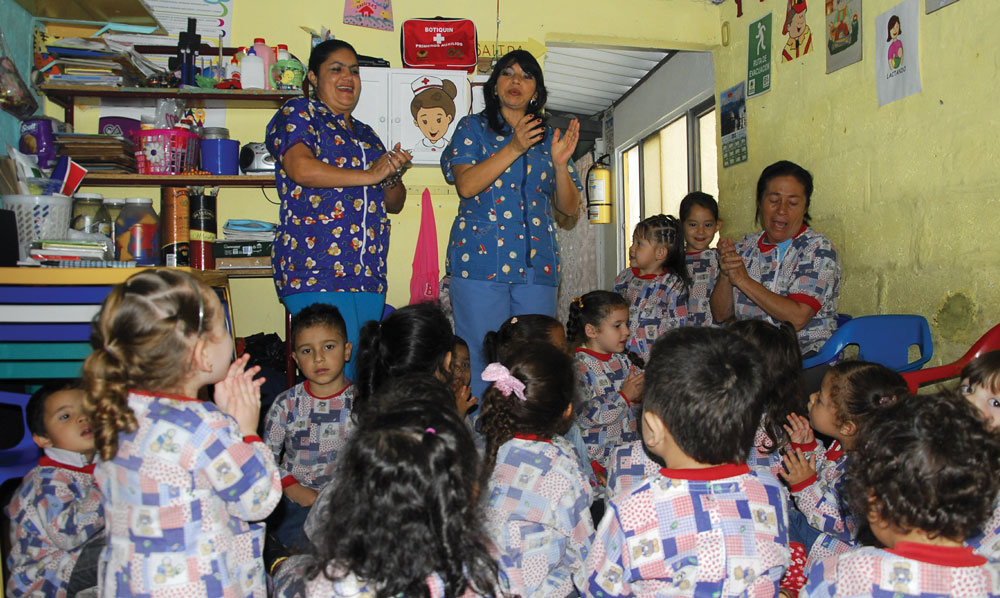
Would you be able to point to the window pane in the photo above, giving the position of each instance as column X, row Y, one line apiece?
column 651, row 175
column 709, row 157
column 673, row 166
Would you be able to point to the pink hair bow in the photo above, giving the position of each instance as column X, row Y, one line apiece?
column 503, row 380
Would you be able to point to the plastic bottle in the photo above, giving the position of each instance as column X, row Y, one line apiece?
column 283, row 53
column 233, row 69
column 138, row 230
column 265, row 53
column 252, row 73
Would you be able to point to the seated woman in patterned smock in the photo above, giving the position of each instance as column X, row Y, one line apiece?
column 510, row 170
column 337, row 184
column 788, row 272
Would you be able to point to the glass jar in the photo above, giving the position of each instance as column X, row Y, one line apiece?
column 114, row 207
column 90, row 215
column 138, row 232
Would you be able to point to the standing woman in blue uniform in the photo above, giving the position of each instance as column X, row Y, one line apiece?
column 511, row 171
column 337, row 185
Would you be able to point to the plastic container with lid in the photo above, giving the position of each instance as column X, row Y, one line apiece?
column 283, row 53
column 90, row 215
column 138, row 230
column 114, row 207
column 265, row 53
column 252, row 73
column 215, row 133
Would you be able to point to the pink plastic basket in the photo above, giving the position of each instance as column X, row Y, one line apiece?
column 166, row 151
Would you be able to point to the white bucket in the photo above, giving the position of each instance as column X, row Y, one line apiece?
column 39, row 217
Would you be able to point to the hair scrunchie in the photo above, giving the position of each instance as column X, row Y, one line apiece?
column 503, row 380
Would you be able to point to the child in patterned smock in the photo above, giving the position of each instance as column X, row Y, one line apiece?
column 56, row 517
column 610, row 385
column 701, row 223
column 981, row 386
column 853, row 394
column 308, row 424
column 403, row 519
column 924, row 474
column 706, row 524
column 183, row 482
column 538, row 494
column 655, row 284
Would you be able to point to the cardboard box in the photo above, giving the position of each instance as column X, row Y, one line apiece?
column 241, row 249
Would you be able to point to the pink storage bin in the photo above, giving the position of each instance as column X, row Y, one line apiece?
column 166, row 151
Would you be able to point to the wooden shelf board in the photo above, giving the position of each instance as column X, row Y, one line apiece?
column 177, row 180
column 64, row 276
column 67, row 95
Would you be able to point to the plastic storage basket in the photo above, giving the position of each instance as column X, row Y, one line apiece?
column 166, row 151
column 39, row 217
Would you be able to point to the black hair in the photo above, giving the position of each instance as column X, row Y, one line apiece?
column 778, row 347
column 706, row 385
column 784, row 168
column 517, row 329
column 401, row 389
column 34, row 411
column 666, row 230
column 404, row 506
column 412, row 339
column 983, row 371
column 536, row 106
column 323, row 50
column 591, row 309
column 698, row 198
column 893, row 21
column 861, row 389
column 458, row 341
column 927, row 463
column 318, row 314
column 549, row 379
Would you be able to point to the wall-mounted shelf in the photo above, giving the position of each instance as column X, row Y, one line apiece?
column 177, row 180
column 129, row 12
column 68, row 96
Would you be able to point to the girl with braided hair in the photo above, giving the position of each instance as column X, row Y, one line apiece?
column 655, row 284
column 185, row 484
column 541, row 522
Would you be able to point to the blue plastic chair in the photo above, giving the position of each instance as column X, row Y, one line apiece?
column 882, row 339
column 17, row 461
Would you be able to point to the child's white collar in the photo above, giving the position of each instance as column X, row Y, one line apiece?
column 67, row 457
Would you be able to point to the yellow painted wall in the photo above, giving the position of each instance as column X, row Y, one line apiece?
column 647, row 23
column 908, row 192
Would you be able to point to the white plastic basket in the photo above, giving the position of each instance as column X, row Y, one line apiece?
column 39, row 217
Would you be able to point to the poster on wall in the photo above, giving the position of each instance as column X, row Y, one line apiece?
column 436, row 104
column 374, row 14
column 897, row 65
column 733, row 110
column 933, row 5
column 759, row 56
column 843, row 33
column 800, row 37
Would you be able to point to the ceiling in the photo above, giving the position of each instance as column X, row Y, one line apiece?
column 587, row 81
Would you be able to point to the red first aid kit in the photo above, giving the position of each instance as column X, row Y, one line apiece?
column 439, row 43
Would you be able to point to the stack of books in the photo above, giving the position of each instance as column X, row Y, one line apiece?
column 52, row 252
column 98, row 153
column 92, row 61
column 246, row 245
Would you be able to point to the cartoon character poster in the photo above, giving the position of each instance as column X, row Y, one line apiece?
column 799, row 40
column 843, row 33
column 897, row 65
column 434, row 108
column 374, row 14
column 733, row 125
column 932, row 5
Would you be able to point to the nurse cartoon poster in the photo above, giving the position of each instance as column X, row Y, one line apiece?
column 843, row 33
column 897, row 65
column 435, row 107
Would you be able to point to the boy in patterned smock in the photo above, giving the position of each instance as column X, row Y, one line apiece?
column 924, row 475
column 307, row 426
column 696, row 529
column 56, row 518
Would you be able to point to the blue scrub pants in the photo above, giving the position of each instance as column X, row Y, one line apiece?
column 481, row 306
column 356, row 309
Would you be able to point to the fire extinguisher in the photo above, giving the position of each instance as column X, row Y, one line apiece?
column 599, row 192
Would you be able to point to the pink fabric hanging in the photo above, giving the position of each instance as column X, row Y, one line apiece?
column 424, row 282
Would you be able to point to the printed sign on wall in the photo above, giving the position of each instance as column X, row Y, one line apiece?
column 897, row 65
column 733, row 111
column 843, row 33
column 759, row 56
